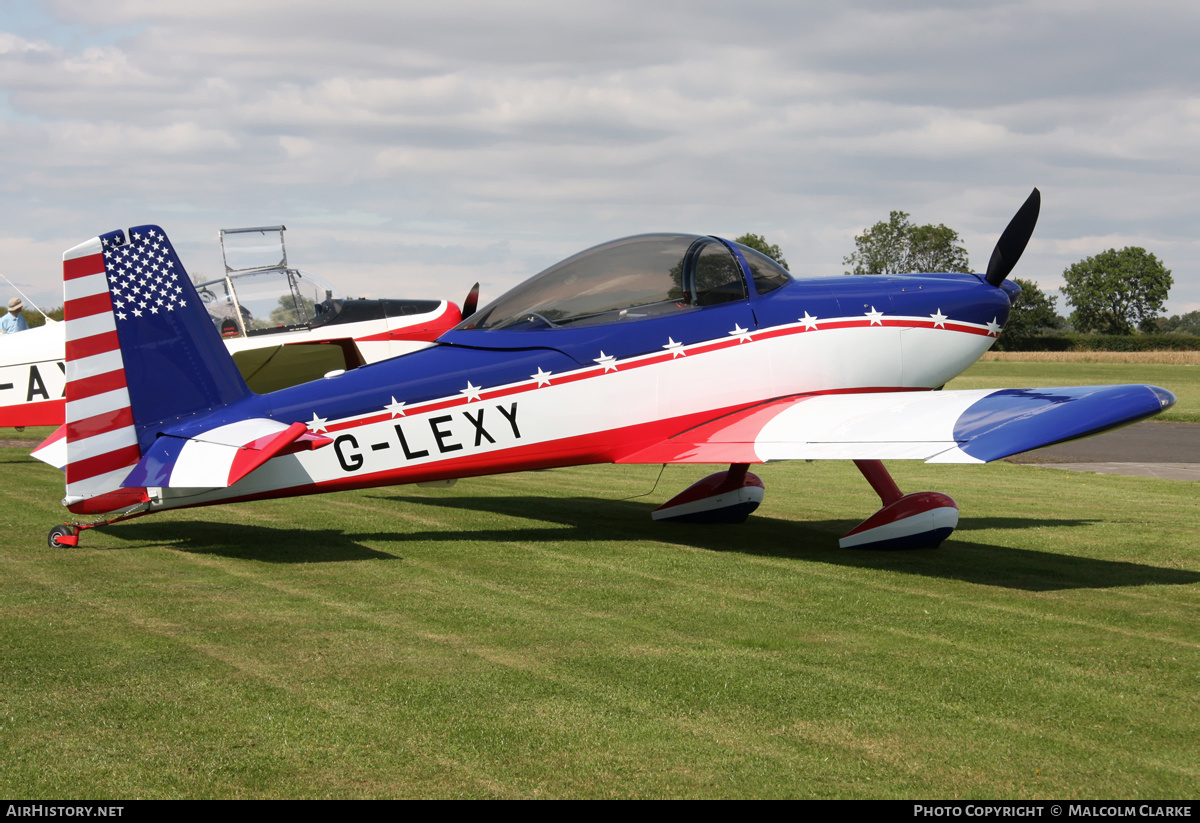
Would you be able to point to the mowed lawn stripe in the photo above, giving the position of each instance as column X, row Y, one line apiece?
column 536, row 636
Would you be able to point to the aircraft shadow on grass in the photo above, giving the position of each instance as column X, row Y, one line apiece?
column 598, row 519
column 589, row 519
column 262, row 543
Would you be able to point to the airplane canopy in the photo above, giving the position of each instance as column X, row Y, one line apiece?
column 269, row 300
column 632, row 278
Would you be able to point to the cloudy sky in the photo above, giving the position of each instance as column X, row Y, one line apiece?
column 414, row 148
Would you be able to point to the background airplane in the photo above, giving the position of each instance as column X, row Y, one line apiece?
column 283, row 326
column 650, row 349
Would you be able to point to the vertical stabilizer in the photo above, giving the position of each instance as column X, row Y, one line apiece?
column 141, row 354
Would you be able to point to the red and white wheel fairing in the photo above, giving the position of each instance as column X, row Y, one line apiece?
column 921, row 520
column 725, row 497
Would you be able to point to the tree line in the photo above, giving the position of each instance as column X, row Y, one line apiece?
column 1118, row 291
column 34, row 318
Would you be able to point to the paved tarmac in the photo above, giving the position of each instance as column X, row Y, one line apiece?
column 1149, row 449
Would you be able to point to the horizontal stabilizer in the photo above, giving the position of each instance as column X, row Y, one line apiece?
column 53, row 449
column 975, row 426
column 219, row 457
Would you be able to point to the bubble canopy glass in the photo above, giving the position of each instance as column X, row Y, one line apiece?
column 629, row 279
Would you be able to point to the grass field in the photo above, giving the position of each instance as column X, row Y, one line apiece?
column 34, row 434
column 537, row 635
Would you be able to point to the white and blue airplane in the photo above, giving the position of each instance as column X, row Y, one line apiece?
column 660, row 348
column 283, row 326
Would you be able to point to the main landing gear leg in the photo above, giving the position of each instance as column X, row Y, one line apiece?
column 921, row 520
column 724, row 497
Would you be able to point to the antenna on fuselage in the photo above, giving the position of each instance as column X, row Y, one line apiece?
column 49, row 319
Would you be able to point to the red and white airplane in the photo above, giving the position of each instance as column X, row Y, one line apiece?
column 652, row 349
column 284, row 326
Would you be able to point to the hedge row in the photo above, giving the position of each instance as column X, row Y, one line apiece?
column 1104, row 342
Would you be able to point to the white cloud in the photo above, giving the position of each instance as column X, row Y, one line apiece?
column 532, row 129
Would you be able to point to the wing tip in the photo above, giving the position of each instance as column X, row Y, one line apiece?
column 1166, row 399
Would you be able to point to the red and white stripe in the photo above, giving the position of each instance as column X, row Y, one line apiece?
column 101, row 439
column 222, row 456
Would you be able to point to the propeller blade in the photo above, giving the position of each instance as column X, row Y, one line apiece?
column 1014, row 239
column 471, row 303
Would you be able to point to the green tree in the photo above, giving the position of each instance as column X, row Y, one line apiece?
column 1033, row 313
column 33, row 319
column 1180, row 324
column 1116, row 291
column 760, row 244
column 899, row 247
column 288, row 313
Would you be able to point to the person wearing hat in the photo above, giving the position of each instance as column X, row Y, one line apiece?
column 13, row 322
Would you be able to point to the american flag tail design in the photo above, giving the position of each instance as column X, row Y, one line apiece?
column 141, row 353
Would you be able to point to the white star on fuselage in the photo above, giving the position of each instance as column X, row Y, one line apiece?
column 542, row 377
column 317, row 424
column 876, row 317
column 395, row 407
column 608, row 361
column 939, row 320
column 471, row 391
column 809, row 321
column 741, row 334
column 993, row 328
column 676, row 349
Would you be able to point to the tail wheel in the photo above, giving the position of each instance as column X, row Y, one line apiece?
column 63, row 536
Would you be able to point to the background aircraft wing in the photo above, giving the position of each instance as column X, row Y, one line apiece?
column 935, row 426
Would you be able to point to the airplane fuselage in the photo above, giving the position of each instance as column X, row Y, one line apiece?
column 483, row 402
